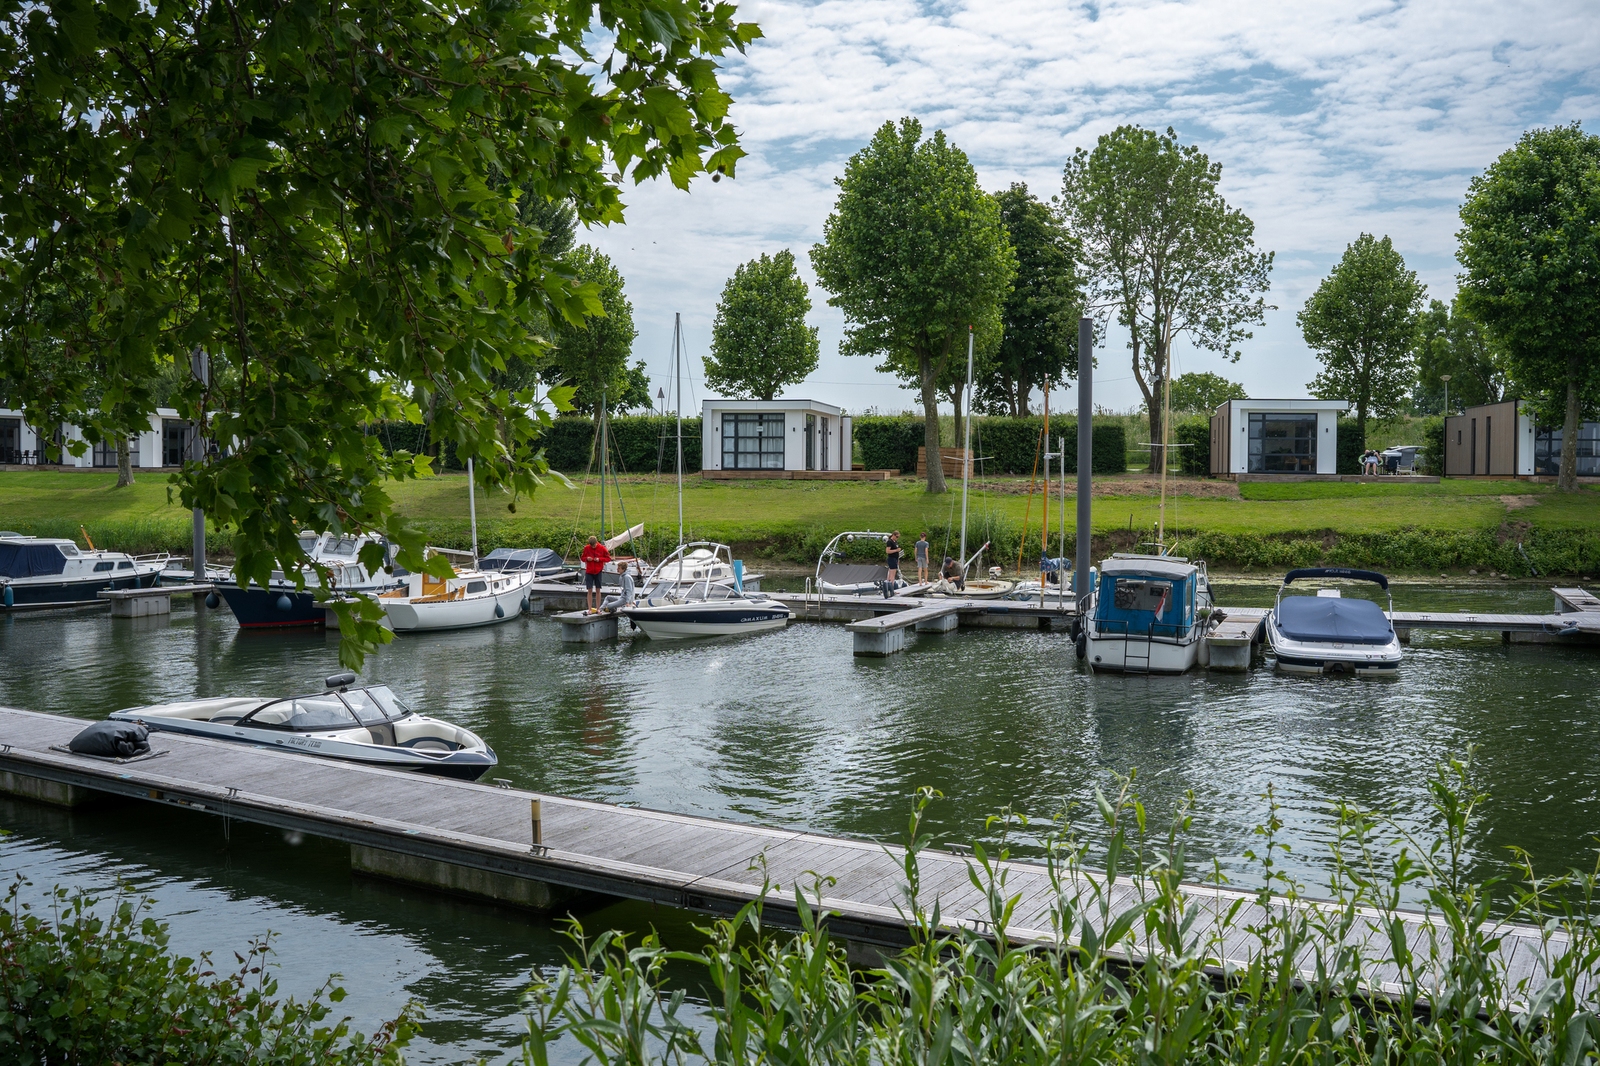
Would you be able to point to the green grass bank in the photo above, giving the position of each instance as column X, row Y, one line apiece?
column 1404, row 528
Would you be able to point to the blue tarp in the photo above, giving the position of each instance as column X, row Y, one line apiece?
column 1325, row 619
column 539, row 560
column 30, row 560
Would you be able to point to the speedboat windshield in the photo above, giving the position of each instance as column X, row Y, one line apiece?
column 375, row 705
column 329, row 710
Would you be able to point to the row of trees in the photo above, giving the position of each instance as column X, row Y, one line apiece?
column 1526, row 319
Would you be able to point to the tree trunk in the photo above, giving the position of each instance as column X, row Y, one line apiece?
column 1024, row 390
column 1567, row 481
column 930, row 423
column 124, row 463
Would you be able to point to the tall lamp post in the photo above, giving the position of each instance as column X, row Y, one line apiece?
column 1446, row 379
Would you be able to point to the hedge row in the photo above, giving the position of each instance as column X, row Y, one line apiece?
column 1003, row 445
column 640, row 444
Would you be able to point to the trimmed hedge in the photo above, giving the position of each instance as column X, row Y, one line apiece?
column 1194, row 433
column 1003, row 445
column 638, row 442
column 1351, row 445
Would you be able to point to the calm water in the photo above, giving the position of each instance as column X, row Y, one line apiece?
column 786, row 729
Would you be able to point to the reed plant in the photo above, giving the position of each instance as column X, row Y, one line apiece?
column 1137, row 966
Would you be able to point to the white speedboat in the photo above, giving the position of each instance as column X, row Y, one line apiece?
column 1329, row 634
column 469, row 597
column 54, row 572
column 707, row 606
column 364, row 725
column 838, row 577
column 1146, row 615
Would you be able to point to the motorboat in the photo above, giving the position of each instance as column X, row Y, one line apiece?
column 542, row 563
column 367, row 725
column 1053, row 584
column 40, row 572
column 282, row 603
column 674, row 604
column 1147, row 614
column 1328, row 633
column 468, row 597
column 839, row 577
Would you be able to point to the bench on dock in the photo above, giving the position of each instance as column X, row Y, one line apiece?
column 886, row 634
column 143, row 603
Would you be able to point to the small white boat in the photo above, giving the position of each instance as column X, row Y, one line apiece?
column 992, row 587
column 1147, row 614
column 364, row 725
column 707, row 606
column 1328, row 634
column 837, row 577
column 54, row 572
column 469, row 597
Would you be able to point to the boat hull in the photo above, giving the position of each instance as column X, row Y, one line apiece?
column 677, row 623
column 1120, row 655
column 1314, row 658
column 29, row 594
column 259, row 608
column 484, row 610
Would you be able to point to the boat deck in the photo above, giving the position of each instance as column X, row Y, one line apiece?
column 672, row 859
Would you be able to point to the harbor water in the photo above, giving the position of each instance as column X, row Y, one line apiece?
column 788, row 729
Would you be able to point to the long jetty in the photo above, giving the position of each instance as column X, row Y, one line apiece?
column 534, row 850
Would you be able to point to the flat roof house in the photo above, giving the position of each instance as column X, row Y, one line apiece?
column 1287, row 437
column 779, row 438
column 1503, row 440
column 166, row 443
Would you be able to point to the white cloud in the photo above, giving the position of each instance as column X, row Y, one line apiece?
column 1328, row 119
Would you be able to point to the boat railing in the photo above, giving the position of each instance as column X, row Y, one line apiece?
column 1176, row 632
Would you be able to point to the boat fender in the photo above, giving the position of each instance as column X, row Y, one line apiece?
column 499, row 611
column 524, row 608
column 1082, row 646
column 213, row 601
column 284, row 602
column 8, row 597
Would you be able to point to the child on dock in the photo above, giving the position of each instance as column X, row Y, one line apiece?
column 921, row 552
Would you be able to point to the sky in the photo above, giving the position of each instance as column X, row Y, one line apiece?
column 1329, row 119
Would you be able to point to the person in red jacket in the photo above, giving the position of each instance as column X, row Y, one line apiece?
column 595, row 557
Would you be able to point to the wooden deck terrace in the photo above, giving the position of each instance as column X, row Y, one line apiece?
column 477, row 839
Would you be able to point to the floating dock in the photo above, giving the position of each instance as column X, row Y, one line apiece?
column 534, row 850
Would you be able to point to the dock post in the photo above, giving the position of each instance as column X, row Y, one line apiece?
column 945, row 623
column 538, row 824
column 882, row 643
column 1080, row 583
column 580, row 628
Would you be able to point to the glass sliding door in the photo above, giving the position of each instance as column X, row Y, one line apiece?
column 1282, row 443
column 752, row 441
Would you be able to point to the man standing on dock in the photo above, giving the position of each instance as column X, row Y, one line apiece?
column 595, row 557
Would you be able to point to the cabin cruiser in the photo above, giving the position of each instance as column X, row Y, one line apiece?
column 368, row 725
column 676, row 603
column 55, row 572
column 468, row 597
column 281, row 604
column 1147, row 614
column 1329, row 634
column 838, row 577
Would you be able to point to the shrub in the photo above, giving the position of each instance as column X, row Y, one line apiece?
column 99, row 985
column 888, row 442
column 641, row 444
column 1432, row 453
column 1010, row 445
column 1351, row 444
column 1194, row 433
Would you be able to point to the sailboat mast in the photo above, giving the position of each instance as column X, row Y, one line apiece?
column 677, row 388
column 1044, row 528
column 966, row 451
column 604, row 452
column 1166, row 437
column 472, row 509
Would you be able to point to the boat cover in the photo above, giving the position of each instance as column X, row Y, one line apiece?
column 1326, row 620
column 539, row 560
column 30, row 560
column 853, row 573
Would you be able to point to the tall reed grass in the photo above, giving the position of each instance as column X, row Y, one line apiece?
column 1136, row 969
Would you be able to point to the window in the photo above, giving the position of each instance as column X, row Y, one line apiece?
column 10, row 440
column 1283, row 444
column 1547, row 450
column 752, row 441
column 174, row 442
column 367, row 709
column 303, row 714
column 101, row 568
column 389, row 701
column 126, row 564
column 477, row 586
column 105, row 453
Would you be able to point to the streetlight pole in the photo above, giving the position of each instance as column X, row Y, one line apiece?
column 1442, row 461
column 1446, row 379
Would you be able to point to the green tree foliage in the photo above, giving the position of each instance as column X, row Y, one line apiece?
column 591, row 355
column 1448, row 342
column 327, row 199
column 915, row 255
column 1163, row 247
column 94, row 981
column 1040, row 316
column 1362, row 322
column 1201, row 390
column 1530, row 246
column 760, row 341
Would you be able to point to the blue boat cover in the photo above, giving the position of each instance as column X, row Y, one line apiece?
column 30, row 560
column 1328, row 620
column 539, row 560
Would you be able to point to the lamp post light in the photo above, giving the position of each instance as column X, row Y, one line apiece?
column 1446, row 379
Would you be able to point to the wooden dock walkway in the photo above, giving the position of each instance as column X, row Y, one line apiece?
column 479, row 839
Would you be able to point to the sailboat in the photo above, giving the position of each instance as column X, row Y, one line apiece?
column 469, row 597
column 698, row 590
column 977, row 588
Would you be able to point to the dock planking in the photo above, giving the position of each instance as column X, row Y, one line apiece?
column 656, row 856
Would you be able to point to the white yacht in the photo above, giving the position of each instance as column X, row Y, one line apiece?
column 55, row 572
column 364, row 725
column 1329, row 634
column 469, row 597
column 1147, row 615
column 676, row 603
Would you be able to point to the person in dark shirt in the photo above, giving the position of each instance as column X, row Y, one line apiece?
column 892, row 552
column 951, row 572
